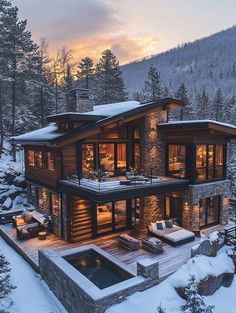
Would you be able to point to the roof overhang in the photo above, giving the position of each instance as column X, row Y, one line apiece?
column 74, row 117
column 210, row 126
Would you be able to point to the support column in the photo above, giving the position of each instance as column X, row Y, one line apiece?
column 150, row 211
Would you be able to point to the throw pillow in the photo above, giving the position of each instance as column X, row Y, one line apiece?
column 154, row 226
column 169, row 224
column 159, row 226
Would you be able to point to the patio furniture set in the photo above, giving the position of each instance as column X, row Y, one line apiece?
column 31, row 225
column 158, row 232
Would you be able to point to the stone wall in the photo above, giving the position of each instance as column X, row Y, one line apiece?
column 203, row 191
column 80, row 295
column 151, row 210
column 153, row 146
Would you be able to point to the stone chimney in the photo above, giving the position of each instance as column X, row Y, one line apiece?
column 81, row 100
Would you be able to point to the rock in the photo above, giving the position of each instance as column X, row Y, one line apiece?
column 10, row 178
column 20, row 184
column 7, row 205
column 206, row 247
column 209, row 285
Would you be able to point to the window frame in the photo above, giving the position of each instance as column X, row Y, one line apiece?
column 50, row 204
column 167, row 160
column 214, row 167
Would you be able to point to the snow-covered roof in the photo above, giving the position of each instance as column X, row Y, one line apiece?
column 45, row 134
column 112, row 109
column 199, row 122
column 93, row 120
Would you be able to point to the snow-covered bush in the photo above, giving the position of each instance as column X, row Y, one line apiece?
column 5, row 285
column 195, row 302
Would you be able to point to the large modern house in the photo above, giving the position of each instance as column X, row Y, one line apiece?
column 124, row 165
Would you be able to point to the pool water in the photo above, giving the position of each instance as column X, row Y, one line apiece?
column 99, row 270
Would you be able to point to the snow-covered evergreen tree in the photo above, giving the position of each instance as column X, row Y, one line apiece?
column 85, row 71
column 202, row 105
column 182, row 94
column 152, row 86
column 218, row 105
column 160, row 309
column 108, row 79
column 195, row 302
column 5, row 284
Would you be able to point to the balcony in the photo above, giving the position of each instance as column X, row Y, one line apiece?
column 122, row 186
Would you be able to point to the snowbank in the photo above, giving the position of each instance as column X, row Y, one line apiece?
column 31, row 295
column 147, row 301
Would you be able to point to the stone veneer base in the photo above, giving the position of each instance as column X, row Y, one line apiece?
column 80, row 295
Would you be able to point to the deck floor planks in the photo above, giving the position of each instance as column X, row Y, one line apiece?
column 170, row 260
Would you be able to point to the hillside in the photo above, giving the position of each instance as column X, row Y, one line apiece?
column 206, row 62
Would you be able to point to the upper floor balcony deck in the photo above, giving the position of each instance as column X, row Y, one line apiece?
column 123, row 187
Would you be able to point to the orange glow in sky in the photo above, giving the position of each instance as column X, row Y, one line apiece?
column 132, row 29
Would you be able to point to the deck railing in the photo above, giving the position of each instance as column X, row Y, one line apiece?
column 230, row 237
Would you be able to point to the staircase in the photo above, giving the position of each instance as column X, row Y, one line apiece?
column 81, row 220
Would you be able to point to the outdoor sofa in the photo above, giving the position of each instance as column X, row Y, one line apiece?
column 128, row 242
column 152, row 244
column 170, row 233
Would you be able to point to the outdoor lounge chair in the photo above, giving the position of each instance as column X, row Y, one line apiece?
column 128, row 242
column 153, row 245
column 174, row 235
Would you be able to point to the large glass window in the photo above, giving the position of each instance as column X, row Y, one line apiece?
column 176, row 160
column 104, row 217
column 106, row 158
column 121, row 157
column 42, row 199
column 209, row 162
column 31, row 160
column 201, row 161
column 87, row 159
column 55, row 204
column 50, row 161
column 39, row 159
column 209, row 211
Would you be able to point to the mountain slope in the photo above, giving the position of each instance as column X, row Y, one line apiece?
column 206, row 62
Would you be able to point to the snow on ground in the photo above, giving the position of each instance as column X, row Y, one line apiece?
column 31, row 295
column 147, row 301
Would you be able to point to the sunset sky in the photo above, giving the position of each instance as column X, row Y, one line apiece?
column 131, row 28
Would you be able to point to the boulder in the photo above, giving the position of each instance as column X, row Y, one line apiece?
column 209, row 285
column 10, row 178
column 206, row 247
column 7, row 205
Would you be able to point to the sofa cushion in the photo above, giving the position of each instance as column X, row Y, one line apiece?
column 179, row 235
column 168, row 223
column 128, row 238
column 159, row 225
column 154, row 227
column 28, row 216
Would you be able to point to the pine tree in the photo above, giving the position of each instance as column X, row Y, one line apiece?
column 139, row 96
column 152, row 87
column 218, row 105
column 5, row 285
column 195, row 302
column 85, row 71
column 166, row 92
column 110, row 85
column 230, row 110
column 182, row 94
column 160, row 309
column 202, row 105
column 20, row 53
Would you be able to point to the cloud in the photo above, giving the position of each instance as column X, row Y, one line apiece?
column 61, row 21
column 126, row 48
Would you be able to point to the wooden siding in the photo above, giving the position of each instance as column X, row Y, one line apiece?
column 69, row 160
column 43, row 176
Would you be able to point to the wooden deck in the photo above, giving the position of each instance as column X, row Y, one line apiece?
column 170, row 260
